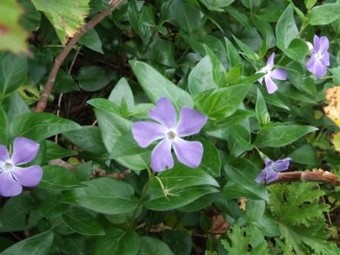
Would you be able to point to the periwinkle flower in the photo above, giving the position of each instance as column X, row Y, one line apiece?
column 271, row 169
column 319, row 60
column 13, row 177
column 169, row 132
column 270, row 74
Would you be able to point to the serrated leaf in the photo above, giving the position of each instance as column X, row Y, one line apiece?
column 104, row 195
column 12, row 35
column 279, row 135
column 67, row 17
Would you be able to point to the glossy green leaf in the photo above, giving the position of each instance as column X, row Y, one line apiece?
column 39, row 126
column 31, row 18
column 13, row 72
column 324, row 14
column 104, row 195
column 93, row 78
column 92, row 41
column 150, row 245
column 200, row 77
column 286, row 29
column 122, row 94
column 297, row 50
column 37, row 244
column 15, row 106
column 179, row 241
column 13, row 36
column 279, row 135
column 156, row 85
column 55, row 151
column 117, row 242
column 178, row 187
column 211, row 161
column 58, row 178
column 217, row 5
column 66, row 17
column 64, row 83
column 221, row 103
column 262, row 114
column 4, row 132
column 83, row 222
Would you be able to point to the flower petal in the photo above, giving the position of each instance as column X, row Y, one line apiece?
column 161, row 157
column 271, row 176
column 164, row 113
column 270, row 85
column 281, row 164
column 325, row 59
column 190, row 122
column 270, row 61
column 316, row 67
column 279, row 74
column 260, row 178
column 28, row 176
column 324, row 44
column 24, row 150
column 9, row 187
column 188, row 153
column 3, row 153
column 316, row 43
column 146, row 132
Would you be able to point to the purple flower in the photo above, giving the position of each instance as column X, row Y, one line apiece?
column 319, row 60
column 13, row 177
column 169, row 131
column 271, row 74
column 271, row 169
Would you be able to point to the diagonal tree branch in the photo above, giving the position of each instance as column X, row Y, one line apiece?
column 41, row 105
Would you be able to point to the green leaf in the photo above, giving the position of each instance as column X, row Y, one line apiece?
column 297, row 50
column 179, row 241
column 221, row 103
column 104, row 195
column 211, row 161
column 64, row 83
column 324, row 14
column 4, row 127
column 66, row 17
column 83, row 222
column 286, row 29
column 20, row 210
column 39, row 126
column 306, row 154
column 278, row 135
column 38, row 244
column 122, row 95
column 58, row 178
column 218, row 71
column 13, row 72
column 88, row 138
column 262, row 114
column 242, row 182
column 13, row 36
column 55, row 151
column 93, row 78
column 31, row 19
column 150, row 245
column 201, row 78
column 178, row 187
column 216, row 5
column 117, row 242
column 156, row 85
column 92, row 41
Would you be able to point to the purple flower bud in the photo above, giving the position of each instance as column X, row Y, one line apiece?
column 271, row 169
column 13, row 177
column 270, row 74
column 169, row 131
column 319, row 60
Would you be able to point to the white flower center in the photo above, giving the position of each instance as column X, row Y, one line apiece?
column 7, row 166
column 171, row 135
column 318, row 56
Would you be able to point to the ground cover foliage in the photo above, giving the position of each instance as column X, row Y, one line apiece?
column 254, row 86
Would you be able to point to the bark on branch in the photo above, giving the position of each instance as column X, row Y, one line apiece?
column 41, row 105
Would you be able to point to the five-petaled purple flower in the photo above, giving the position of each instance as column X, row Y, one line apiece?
column 271, row 169
column 13, row 177
column 319, row 60
column 169, row 131
column 271, row 74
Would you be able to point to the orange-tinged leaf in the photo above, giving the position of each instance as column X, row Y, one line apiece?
column 333, row 109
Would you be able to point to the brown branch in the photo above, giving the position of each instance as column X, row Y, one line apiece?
column 67, row 49
column 317, row 175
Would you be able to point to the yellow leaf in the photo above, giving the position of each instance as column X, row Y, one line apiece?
column 333, row 109
column 336, row 141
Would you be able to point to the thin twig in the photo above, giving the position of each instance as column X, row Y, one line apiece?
column 67, row 49
column 316, row 175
